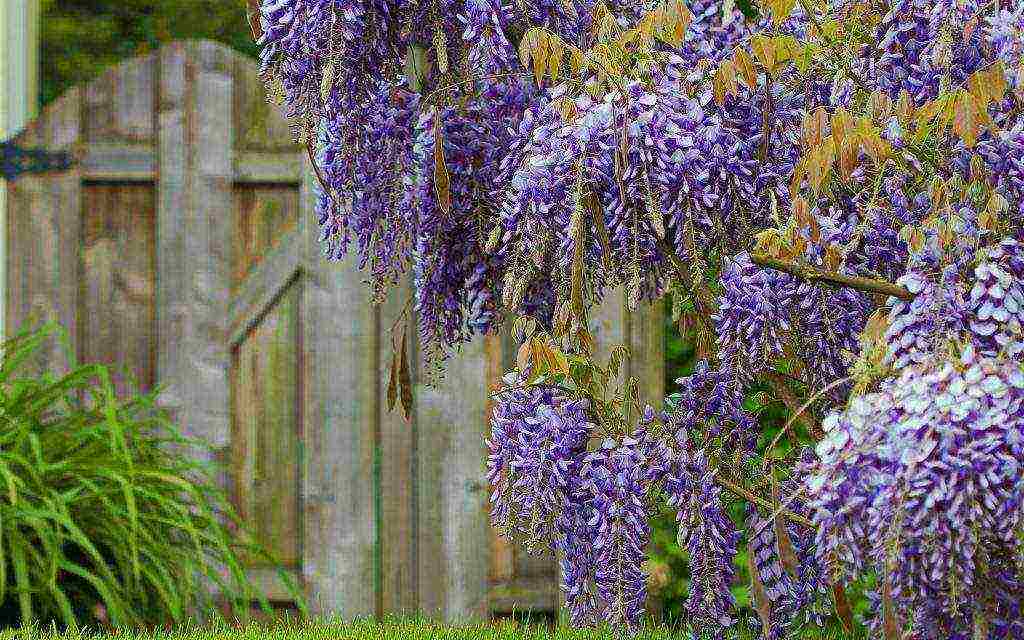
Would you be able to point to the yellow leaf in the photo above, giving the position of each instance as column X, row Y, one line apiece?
column 555, row 62
column 745, row 66
column 781, row 9
column 965, row 119
column 764, row 52
column 527, row 44
column 725, row 81
column 842, row 124
column 540, row 56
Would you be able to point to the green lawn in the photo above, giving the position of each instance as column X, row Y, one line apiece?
column 333, row 629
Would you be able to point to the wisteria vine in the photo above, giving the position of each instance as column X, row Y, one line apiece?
column 832, row 195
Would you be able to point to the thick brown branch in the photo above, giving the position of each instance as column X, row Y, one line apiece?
column 814, row 274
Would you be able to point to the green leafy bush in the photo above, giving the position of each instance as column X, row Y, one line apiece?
column 97, row 511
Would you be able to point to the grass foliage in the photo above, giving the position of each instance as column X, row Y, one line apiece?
column 391, row 628
column 96, row 510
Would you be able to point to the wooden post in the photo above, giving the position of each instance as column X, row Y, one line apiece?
column 193, row 218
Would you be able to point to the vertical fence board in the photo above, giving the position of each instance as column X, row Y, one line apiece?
column 454, row 535
column 340, row 407
column 397, row 448
column 244, row 438
column 194, row 204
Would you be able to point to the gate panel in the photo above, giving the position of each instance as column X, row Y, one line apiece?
column 117, row 314
column 265, row 438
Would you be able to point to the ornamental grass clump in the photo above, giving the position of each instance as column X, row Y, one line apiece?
column 97, row 510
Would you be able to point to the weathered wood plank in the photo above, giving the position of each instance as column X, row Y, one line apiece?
column 134, row 98
column 264, row 217
column 244, row 429
column 118, row 162
column 647, row 351
column 454, row 532
column 339, row 405
column 194, row 206
column 117, row 323
column 134, row 162
column 119, row 104
column 522, row 595
column 98, row 108
column 396, row 451
column 259, row 290
column 268, row 167
column 44, row 234
column 268, row 581
column 276, row 486
column 261, row 126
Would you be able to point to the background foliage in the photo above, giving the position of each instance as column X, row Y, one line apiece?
column 81, row 38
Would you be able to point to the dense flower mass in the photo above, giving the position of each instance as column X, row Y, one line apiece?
column 835, row 199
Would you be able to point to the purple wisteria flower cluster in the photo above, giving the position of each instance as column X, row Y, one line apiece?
column 833, row 192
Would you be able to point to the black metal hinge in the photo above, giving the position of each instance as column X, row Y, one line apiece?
column 16, row 160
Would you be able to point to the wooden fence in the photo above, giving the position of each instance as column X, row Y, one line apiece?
column 182, row 245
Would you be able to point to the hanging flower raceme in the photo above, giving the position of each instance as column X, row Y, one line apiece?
column 920, row 482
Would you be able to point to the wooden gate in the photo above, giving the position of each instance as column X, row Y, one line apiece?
column 183, row 246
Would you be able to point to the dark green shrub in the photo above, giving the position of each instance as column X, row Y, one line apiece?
column 96, row 508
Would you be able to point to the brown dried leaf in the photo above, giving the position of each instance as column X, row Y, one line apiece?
column 848, row 154
column 442, row 185
column 405, row 380
column 833, row 257
column 253, row 15
column 814, row 127
column 783, row 545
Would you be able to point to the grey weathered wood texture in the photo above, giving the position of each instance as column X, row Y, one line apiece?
column 183, row 248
